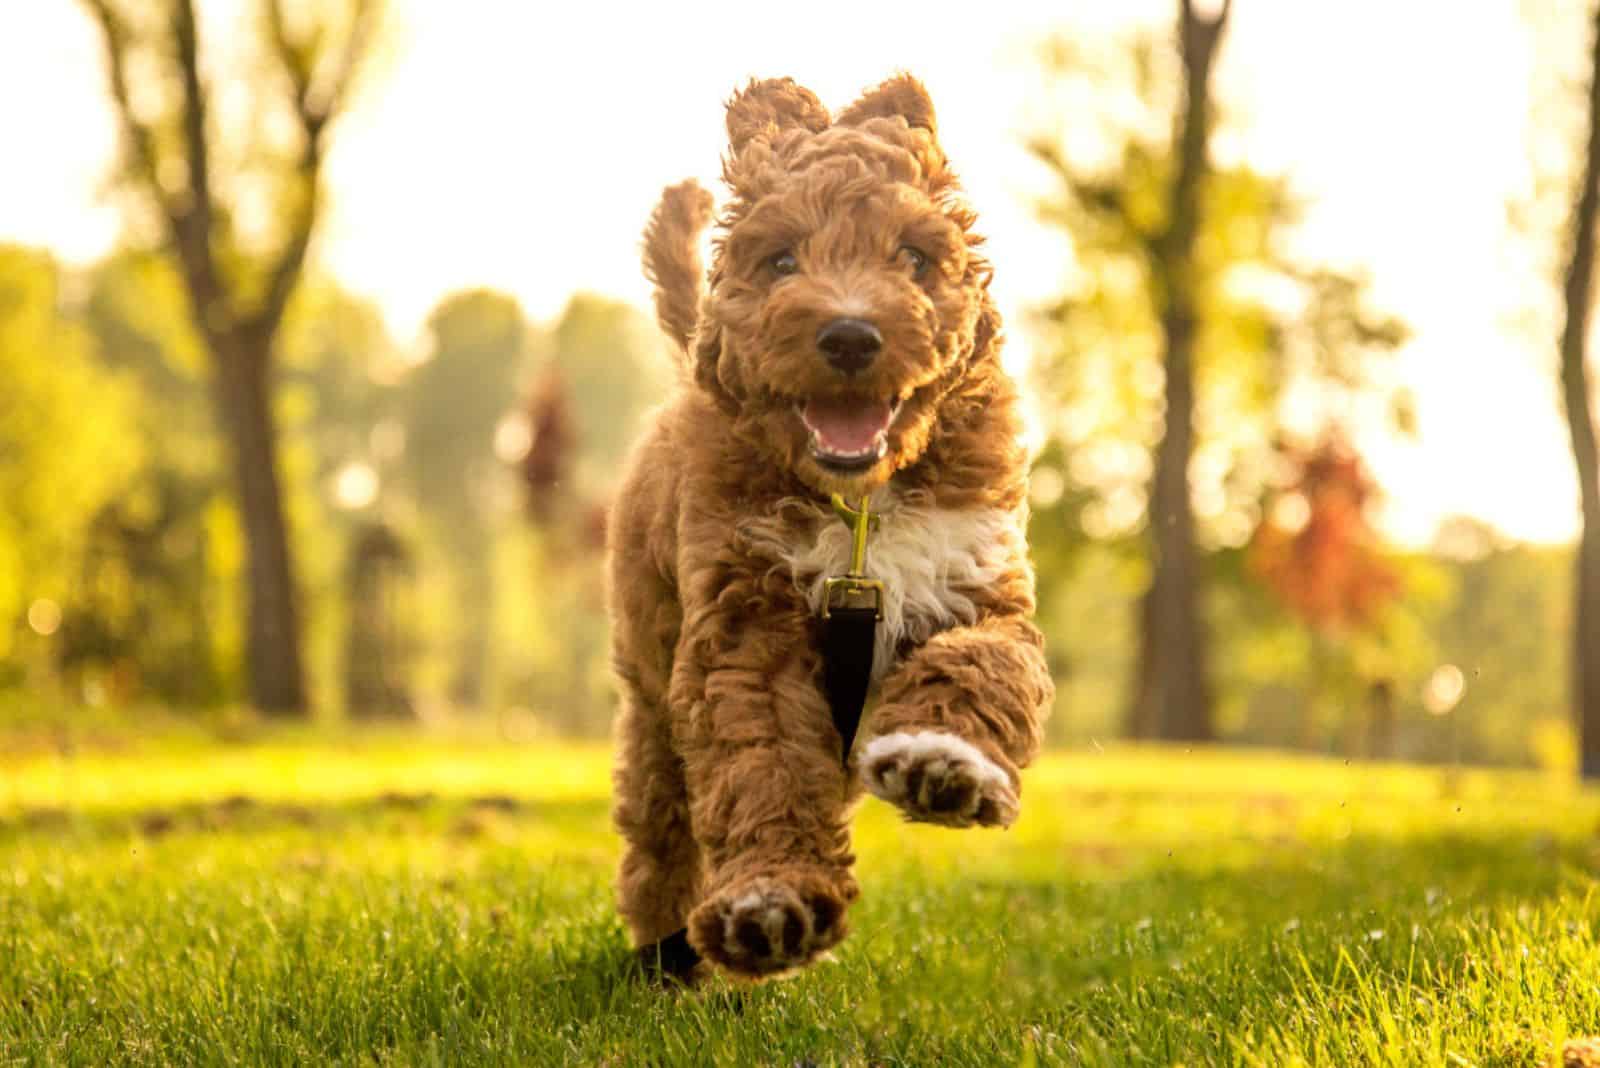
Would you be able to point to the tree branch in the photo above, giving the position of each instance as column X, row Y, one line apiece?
column 313, row 108
column 363, row 21
column 186, row 213
column 140, row 141
column 315, row 105
column 196, row 151
column 1102, row 198
column 192, row 223
column 294, row 58
column 286, row 269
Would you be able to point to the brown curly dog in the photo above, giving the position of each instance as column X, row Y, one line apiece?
column 847, row 343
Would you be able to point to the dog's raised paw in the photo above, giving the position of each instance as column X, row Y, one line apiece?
column 936, row 777
column 769, row 925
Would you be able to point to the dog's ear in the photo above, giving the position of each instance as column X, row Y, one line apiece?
column 708, row 363
column 900, row 95
column 764, row 108
column 986, row 332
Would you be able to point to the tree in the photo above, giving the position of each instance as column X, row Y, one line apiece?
column 1509, row 627
column 1317, row 550
column 170, row 536
column 67, row 442
column 1183, row 333
column 237, row 290
column 1318, row 555
column 1174, row 697
column 1578, row 299
column 1162, row 205
column 608, row 357
column 454, row 402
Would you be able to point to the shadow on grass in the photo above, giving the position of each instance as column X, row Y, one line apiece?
column 241, row 814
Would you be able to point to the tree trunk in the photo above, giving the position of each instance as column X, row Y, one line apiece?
column 243, row 392
column 1172, row 697
column 1578, row 292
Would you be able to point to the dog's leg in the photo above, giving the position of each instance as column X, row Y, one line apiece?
column 957, row 719
column 659, row 879
column 769, row 798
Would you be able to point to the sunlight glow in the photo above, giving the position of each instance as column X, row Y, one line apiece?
column 1444, row 690
column 542, row 188
column 355, row 486
column 44, row 617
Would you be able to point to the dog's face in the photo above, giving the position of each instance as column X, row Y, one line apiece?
column 847, row 295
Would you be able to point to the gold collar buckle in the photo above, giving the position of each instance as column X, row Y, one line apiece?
column 854, row 590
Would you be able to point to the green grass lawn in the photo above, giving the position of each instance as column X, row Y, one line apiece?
column 393, row 900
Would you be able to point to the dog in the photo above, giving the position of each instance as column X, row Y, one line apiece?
column 844, row 342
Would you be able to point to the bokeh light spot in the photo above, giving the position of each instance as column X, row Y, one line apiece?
column 44, row 617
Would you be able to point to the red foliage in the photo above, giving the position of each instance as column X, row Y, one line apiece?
column 548, row 462
column 593, row 532
column 1328, row 570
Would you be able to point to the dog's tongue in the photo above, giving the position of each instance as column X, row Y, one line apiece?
column 847, row 425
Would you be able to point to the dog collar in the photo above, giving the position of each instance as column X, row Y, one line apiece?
column 854, row 590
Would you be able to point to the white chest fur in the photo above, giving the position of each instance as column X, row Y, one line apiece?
column 932, row 561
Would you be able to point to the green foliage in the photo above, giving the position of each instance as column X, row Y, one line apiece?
column 380, row 899
column 67, row 441
column 339, row 375
column 156, row 611
column 1282, row 350
column 1281, row 347
column 516, row 617
column 610, row 359
column 453, row 402
column 1507, row 628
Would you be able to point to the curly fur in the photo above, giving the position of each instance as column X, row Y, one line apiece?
column 731, row 791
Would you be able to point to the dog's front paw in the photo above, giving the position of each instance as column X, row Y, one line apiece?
column 938, row 778
column 769, row 925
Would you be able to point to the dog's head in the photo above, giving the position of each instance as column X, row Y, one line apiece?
column 847, row 293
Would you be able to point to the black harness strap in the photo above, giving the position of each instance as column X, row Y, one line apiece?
column 848, row 636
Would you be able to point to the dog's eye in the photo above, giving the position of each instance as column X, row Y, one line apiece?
column 783, row 263
column 914, row 258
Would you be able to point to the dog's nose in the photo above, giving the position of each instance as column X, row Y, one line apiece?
column 849, row 344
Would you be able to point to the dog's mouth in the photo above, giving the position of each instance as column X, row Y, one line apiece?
column 848, row 433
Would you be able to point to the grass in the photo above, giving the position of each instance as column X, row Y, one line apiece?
column 392, row 900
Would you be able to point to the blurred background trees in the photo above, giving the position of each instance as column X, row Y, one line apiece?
column 238, row 280
column 1204, row 511
column 1576, row 394
column 452, row 403
column 1189, row 356
column 1556, row 219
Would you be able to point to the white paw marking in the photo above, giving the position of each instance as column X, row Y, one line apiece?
column 914, row 770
